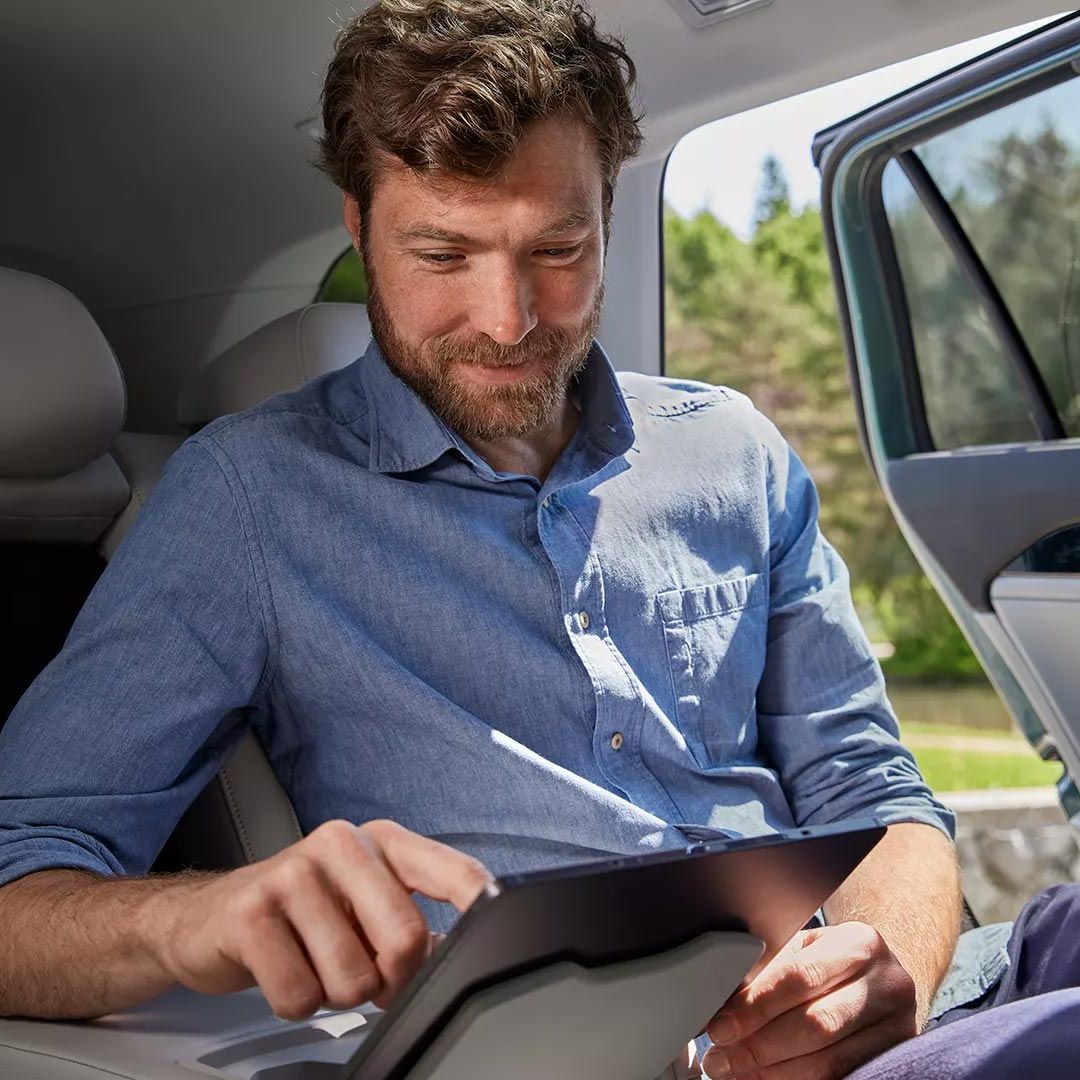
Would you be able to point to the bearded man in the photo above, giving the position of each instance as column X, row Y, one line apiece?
column 489, row 607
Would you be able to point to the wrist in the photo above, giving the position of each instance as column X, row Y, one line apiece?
column 158, row 914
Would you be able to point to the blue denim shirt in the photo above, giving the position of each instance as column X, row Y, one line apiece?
column 656, row 642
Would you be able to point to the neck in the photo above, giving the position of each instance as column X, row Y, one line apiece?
column 536, row 453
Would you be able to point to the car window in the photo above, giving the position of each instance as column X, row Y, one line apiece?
column 971, row 392
column 1012, row 180
column 345, row 281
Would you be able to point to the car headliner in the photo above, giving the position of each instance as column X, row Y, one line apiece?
column 156, row 168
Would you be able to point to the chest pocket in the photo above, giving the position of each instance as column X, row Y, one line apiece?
column 715, row 636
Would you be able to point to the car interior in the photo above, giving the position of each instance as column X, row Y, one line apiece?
column 163, row 242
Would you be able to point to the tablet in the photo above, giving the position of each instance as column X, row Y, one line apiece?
column 560, row 939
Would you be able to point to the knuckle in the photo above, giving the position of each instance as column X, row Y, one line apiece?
column 332, row 834
column 809, row 976
column 380, row 829
column 294, row 872
column 747, row 1057
column 408, row 936
column 351, row 988
column 297, row 1002
column 871, row 944
column 246, row 905
column 825, row 1023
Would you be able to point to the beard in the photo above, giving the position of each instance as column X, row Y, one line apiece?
column 495, row 411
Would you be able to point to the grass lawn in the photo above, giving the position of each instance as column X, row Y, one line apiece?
column 916, row 728
column 968, row 770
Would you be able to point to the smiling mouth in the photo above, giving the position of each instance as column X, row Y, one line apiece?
column 500, row 372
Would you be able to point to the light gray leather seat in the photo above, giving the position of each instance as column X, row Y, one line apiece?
column 244, row 814
column 277, row 357
column 70, row 480
column 68, row 474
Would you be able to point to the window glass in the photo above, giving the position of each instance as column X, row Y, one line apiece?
column 345, row 281
column 972, row 394
column 1013, row 180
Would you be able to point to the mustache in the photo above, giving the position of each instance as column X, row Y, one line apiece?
column 539, row 342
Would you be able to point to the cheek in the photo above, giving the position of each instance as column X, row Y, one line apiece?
column 569, row 297
column 421, row 305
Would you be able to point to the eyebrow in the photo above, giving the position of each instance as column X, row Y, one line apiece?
column 425, row 231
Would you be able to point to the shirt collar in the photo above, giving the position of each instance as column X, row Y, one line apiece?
column 407, row 435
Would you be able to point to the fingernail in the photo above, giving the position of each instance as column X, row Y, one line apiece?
column 716, row 1066
column 723, row 1029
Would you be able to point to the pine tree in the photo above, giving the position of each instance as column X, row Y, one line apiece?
column 774, row 195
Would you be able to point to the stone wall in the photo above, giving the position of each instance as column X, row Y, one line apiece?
column 1011, row 844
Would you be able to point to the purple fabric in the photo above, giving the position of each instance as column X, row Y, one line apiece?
column 1033, row 1037
column 1028, row 1024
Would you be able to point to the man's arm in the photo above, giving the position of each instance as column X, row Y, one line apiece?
column 73, row 946
column 908, row 890
column 844, row 993
column 330, row 919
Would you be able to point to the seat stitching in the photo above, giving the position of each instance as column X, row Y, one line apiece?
column 301, row 367
column 234, row 813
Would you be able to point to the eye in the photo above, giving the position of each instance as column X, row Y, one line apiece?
column 560, row 252
column 436, row 258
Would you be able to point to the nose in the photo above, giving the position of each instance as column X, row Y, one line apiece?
column 504, row 310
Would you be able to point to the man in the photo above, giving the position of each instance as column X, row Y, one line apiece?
column 475, row 593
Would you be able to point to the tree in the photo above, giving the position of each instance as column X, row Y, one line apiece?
column 760, row 316
column 774, row 195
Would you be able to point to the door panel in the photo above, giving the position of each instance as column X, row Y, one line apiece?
column 952, row 213
column 1041, row 615
column 963, row 504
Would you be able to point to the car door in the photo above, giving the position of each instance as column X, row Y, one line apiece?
column 952, row 212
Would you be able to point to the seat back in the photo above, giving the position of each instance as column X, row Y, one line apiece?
column 62, row 406
column 244, row 815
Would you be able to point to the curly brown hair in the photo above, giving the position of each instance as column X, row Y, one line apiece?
column 449, row 86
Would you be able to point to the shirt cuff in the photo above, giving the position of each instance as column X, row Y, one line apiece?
column 26, row 849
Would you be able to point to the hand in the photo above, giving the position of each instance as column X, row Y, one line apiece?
column 329, row 920
column 831, row 1000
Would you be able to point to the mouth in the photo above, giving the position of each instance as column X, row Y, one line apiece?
column 508, row 373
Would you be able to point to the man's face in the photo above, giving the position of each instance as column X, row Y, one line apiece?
column 484, row 296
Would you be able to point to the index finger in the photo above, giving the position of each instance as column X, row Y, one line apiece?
column 827, row 957
column 426, row 866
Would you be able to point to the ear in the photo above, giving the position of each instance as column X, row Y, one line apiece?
column 351, row 209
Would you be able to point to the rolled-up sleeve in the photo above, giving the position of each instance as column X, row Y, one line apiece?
column 154, row 685
column 823, row 715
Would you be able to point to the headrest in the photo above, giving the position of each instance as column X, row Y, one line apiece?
column 62, row 396
column 280, row 356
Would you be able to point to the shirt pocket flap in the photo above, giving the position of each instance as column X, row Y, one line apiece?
column 684, row 606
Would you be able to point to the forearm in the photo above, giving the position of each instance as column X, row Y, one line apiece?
column 76, row 946
column 908, row 889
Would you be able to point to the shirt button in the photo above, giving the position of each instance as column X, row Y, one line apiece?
column 546, row 503
column 617, row 741
column 583, row 618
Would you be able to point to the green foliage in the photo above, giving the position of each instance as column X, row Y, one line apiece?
column 760, row 316
column 968, row 770
column 346, row 282
column 911, row 615
column 774, row 195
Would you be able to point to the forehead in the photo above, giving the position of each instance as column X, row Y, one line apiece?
column 553, row 176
